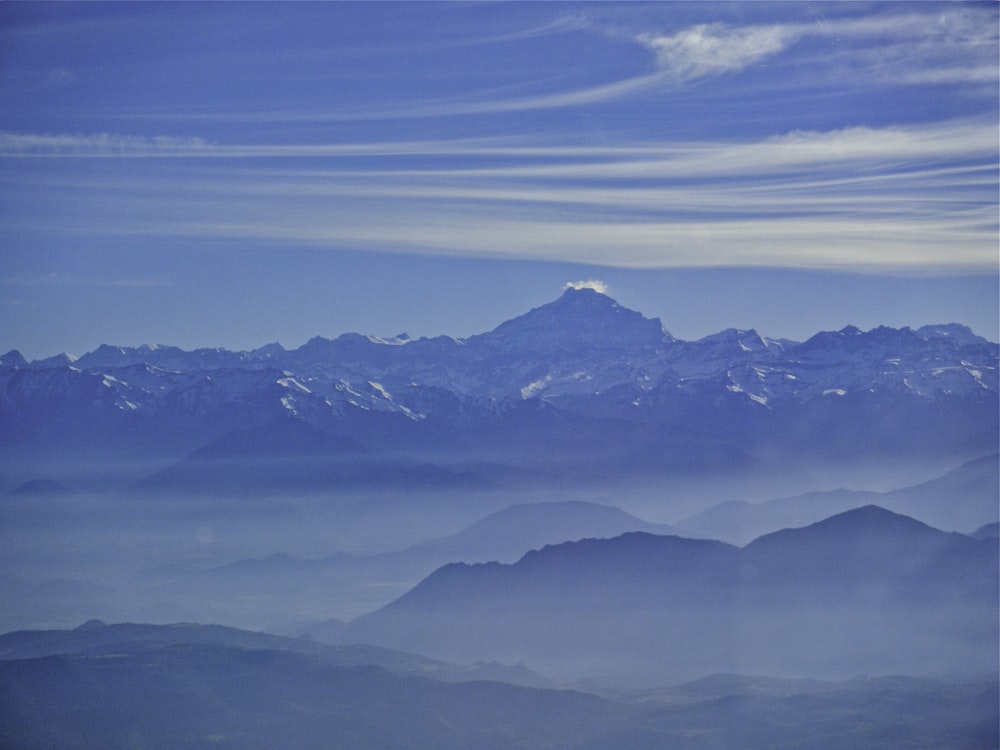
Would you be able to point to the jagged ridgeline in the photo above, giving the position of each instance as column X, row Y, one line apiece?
column 579, row 384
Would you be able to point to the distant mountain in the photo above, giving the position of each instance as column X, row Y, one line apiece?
column 508, row 534
column 288, row 454
column 192, row 695
column 867, row 590
column 581, row 319
column 13, row 358
column 960, row 500
column 578, row 386
column 291, row 587
column 166, row 692
column 740, row 522
column 963, row 499
column 989, row 531
column 96, row 638
column 874, row 551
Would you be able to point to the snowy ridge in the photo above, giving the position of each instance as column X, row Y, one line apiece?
column 583, row 354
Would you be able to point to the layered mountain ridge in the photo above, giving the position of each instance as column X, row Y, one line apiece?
column 203, row 688
column 867, row 590
column 581, row 373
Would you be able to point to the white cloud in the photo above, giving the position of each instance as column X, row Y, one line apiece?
column 596, row 285
column 897, row 197
column 854, row 240
column 712, row 49
column 956, row 44
column 55, row 279
column 884, row 148
column 99, row 144
column 955, row 139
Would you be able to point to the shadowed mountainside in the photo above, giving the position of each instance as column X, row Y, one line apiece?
column 863, row 591
column 197, row 687
column 961, row 500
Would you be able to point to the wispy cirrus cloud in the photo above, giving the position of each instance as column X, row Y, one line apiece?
column 56, row 279
column 895, row 197
column 93, row 145
column 951, row 139
column 886, row 244
column 954, row 44
column 916, row 46
column 866, row 148
column 711, row 49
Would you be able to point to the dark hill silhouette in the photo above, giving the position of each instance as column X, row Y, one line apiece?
column 989, row 531
column 96, row 638
column 507, row 534
column 962, row 499
column 203, row 693
column 290, row 455
column 864, row 590
column 354, row 584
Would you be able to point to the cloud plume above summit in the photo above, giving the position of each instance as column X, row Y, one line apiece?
column 597, row 286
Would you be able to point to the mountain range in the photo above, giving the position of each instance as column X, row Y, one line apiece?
column 579, row 385
column 865, row 591
column 963, row 499
column 193, row 686
column 96, row 638
column 349, row 585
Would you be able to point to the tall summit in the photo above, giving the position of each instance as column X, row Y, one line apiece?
column 580, row 317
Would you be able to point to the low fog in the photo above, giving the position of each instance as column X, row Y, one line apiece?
column 297, row 563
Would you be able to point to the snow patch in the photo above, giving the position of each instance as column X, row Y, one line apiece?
column 536, row 387
column 292, row 384
column 381, row 391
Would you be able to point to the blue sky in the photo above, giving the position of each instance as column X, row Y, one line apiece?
column 231, row 174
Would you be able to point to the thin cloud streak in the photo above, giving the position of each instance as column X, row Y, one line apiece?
column 97, row 145
column 962, row 243
column 69, row 280
column 953, row 45
column 948, row 140
column 468, row 106
column 890, row 197
column 916, row 194
column 789, row 152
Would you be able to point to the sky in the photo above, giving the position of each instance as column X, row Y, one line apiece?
column 232, row 174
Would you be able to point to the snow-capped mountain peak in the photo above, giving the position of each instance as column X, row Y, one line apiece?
column 953, row 332
column 579, row 318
